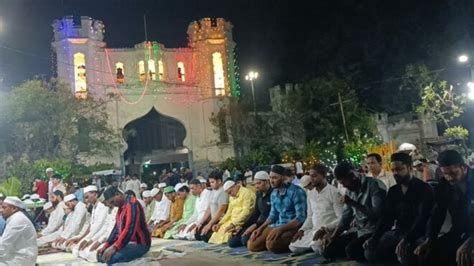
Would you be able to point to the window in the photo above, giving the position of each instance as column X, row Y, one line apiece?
column 160, row 70
column 151, row 69
column 80, row 81
column 218, row 74
column 141, row 70
column 119, row 73
column 181, row 72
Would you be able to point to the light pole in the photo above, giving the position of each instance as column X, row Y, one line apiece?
column 465, row 59
column 250, row 77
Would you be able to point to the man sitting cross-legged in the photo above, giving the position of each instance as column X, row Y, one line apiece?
column 261, row 212
column 324, row 212
column 130, row 238
column 287, row 214
column 188, row 229
column 241, row 206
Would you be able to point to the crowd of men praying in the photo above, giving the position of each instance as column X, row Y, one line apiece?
column 375, row 217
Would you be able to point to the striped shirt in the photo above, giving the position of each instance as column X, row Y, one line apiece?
column 130, row 225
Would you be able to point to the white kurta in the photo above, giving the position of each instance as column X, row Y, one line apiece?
column 162, row 210
column 85, row 226
column 57, row 234
column 97, row 220
column 324, row 210
column 133, row 185
column 101, row 236
column 77, row 220
column 202, row 203
column 18, row 243
column 55, row 220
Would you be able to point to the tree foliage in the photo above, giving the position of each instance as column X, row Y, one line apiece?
column 42, row 119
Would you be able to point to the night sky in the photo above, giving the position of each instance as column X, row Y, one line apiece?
column 285, row 41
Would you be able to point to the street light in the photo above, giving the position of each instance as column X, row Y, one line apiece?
column 463, row 58
column 250, row 77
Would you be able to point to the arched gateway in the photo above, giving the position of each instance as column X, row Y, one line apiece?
column 184, row 87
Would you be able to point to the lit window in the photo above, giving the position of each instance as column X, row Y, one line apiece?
column 161, row 70
column 141, row 70
column 151, row 69
column 80, row 81
column 218, row 74
column 181, row 72
column 119, row 71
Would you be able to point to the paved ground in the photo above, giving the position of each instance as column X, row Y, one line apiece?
column 177, row 253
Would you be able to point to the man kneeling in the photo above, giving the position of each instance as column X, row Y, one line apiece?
column 130, row 238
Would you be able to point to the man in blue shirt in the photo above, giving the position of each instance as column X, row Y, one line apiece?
column 287, row 214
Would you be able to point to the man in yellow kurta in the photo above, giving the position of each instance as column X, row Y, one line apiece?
column 176, row 212
column 188, row 209
column 241, row 205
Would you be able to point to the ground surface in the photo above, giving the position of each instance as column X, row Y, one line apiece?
column 176, row 253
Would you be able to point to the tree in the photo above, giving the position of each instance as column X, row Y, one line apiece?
column 42, row 119
column 439, row 101
column 317, row 101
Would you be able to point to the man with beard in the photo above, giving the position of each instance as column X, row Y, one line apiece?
column 18, row 242
column 407, row 206
column 161, row 211
column 454, row 194
column 55, row 217
column 176, row 212
column 324, row 212
column 287, row 214
column 241, row 206
column 77, row 217
column 260, row 214
column 363, row 206
column 98, row 219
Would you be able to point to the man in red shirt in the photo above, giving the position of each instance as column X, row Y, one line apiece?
column 40, row 187
column 130, row 238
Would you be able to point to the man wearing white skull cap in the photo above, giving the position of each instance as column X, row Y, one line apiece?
column 18, row 242
column 78, row 217
column 98, row 219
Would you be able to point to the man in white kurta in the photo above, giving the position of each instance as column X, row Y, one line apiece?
column 97, row 241
column 98, row 216
column 77, row 218
column 55, row 208
column 162, row 209
column 324, row 211
column 203, row 195
column 18, row 243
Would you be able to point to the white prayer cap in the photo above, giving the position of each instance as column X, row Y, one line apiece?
column 179, row 186
column 154, row 191
column 49, row 170
column 14, row 201
column 69, row 198
column 146, row 194
column 203, row 181
column 26, row 196
column 90, row 189
column 143, row 185
column 305, row 181
column 228, row 184
column 262, row 175
column 161, row 185
column 174, row 170
column 47, row 205
column 417, row 162
column 35, row 197
column 407, row 147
